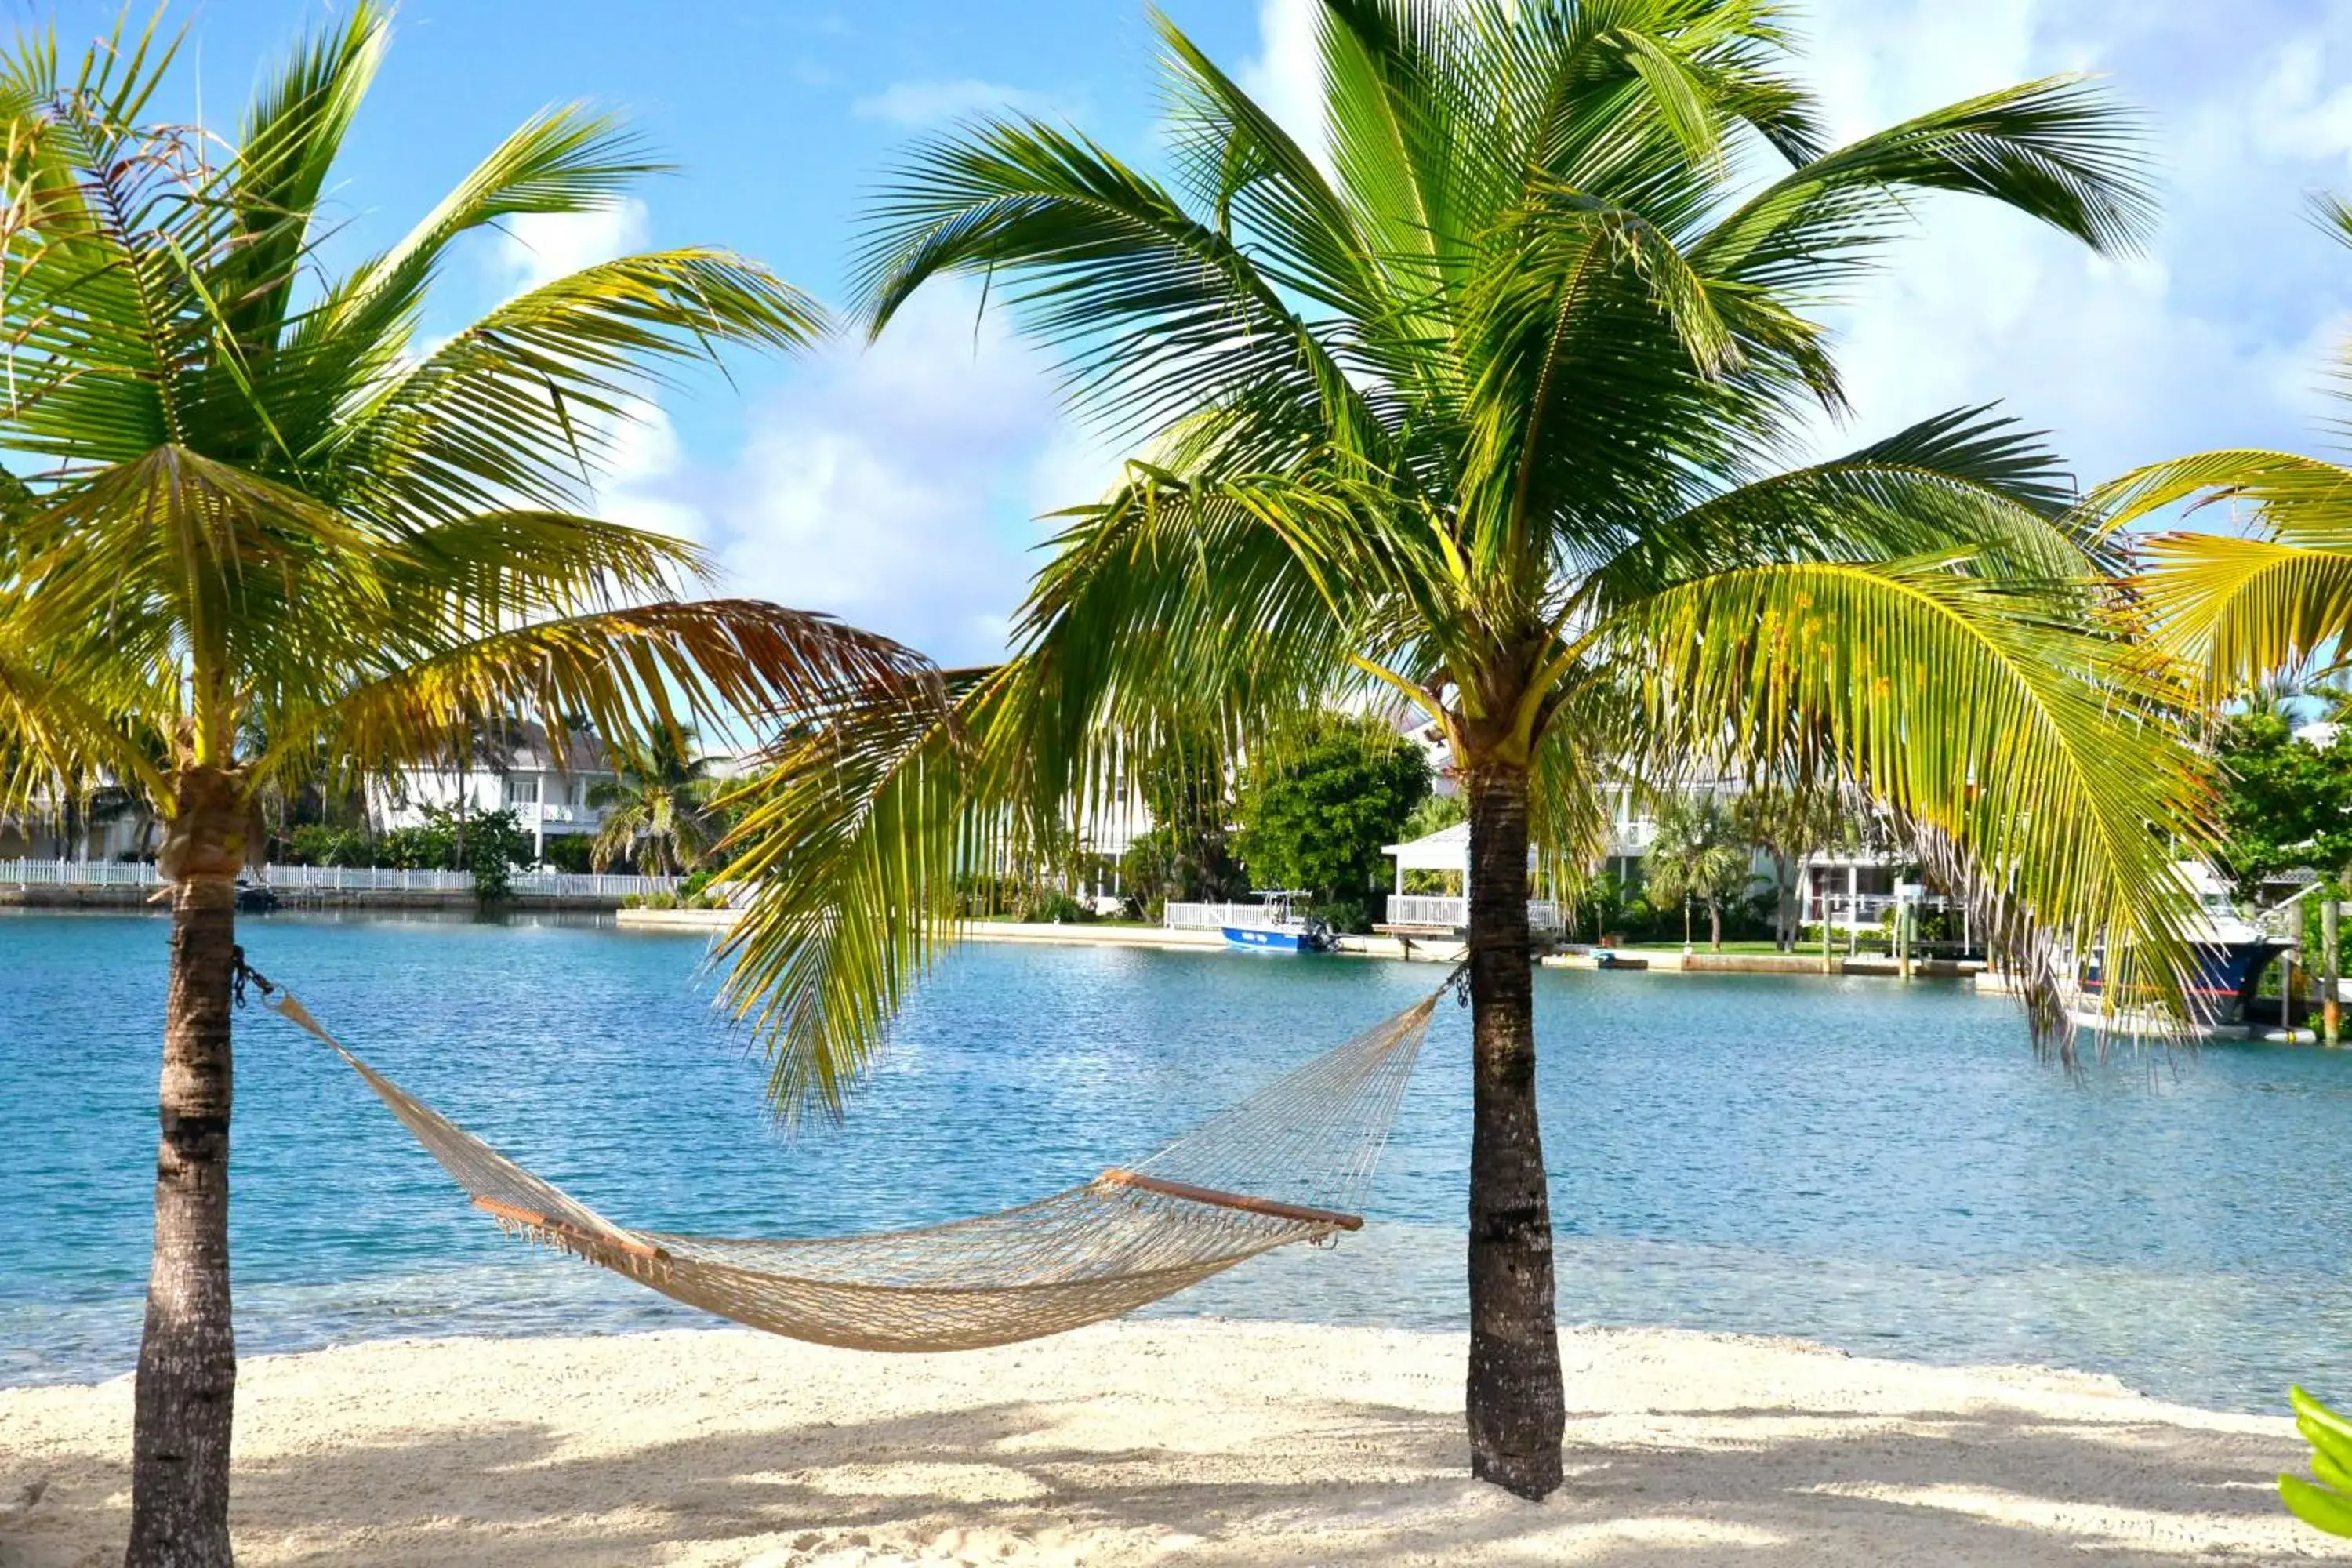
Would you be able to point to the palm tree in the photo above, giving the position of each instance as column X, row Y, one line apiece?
column 657, row 808
column 1696, row 856
column 272, row 523
column 1474, row 399
column 1790, row 824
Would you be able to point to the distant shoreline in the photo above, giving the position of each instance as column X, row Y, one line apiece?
column 1662, row 960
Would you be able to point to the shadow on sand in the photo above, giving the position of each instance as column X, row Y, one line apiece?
column 1345, row 1483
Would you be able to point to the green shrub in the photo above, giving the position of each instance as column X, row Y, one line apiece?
column 317, row 844
column 568, row 853
column 1049, row 906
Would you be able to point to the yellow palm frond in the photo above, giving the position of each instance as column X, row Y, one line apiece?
column 1977, row 714
column 660, row 666
column 2245, row 609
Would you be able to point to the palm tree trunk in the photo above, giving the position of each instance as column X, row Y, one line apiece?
column 1516, row 1408
column 1784, row 933
column 1715, row 924
column 187, row 1357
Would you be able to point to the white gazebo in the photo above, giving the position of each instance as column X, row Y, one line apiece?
column 1447, row 849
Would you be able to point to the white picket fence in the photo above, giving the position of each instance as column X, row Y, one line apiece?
column 600, row 885
column 77, row 874
column 362, row 879
column 582, row 887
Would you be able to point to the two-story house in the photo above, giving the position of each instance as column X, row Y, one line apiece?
column 519, row 772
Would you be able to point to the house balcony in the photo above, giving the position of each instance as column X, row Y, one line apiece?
column 555, row 813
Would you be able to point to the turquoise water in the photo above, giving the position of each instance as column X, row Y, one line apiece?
column 1881, row 1167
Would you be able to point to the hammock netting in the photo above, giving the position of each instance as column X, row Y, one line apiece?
column 1290, row 1163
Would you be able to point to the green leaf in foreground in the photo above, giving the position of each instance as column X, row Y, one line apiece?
column 2326, row 1502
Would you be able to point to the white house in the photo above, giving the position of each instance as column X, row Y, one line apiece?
column 44, row 834
column 1851, row 888
column 547, row 801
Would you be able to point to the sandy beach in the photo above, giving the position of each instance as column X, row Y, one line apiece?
column 1166, row 1442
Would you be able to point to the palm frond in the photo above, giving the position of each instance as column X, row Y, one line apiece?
column 853, row 837
column 285, row 153
column 1975, row 710
column 2245, row 609
column 631, row 670
column 1154, row 306
column 2060, row 150
column 524, row 404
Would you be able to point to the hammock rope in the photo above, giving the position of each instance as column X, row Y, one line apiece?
column 1292, row 1162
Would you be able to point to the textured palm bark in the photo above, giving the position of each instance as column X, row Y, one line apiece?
column 1516, row 1409
column 187, row 1357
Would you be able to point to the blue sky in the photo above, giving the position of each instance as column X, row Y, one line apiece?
column 898, row 486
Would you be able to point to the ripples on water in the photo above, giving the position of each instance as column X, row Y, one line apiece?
column 1878, row 1166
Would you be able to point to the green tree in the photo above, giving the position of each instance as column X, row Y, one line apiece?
column 1315, row 819
column 270, row 521
column 1698, row 856
column 1471, row 399
column 1184, row 781
column 658, row 808
column 1435, row 815
column 2283, row 804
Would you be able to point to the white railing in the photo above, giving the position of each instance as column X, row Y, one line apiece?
column 297, row 879
column 1405, row 910
column 1454, row 914
column 77, row 874
column 1862, row 909
column 1209, row 917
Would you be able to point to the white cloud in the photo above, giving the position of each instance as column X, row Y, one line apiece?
column 643, row 465
column 2295, row 114
column 897, row 486
column 1285, row 76
column 2203, row 341
column 920, row 103
column 534, row 248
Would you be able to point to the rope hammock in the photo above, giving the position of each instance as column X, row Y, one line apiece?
column 1290, row 1163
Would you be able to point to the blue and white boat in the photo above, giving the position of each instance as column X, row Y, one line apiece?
column 2231, row 954
column 1281, row 929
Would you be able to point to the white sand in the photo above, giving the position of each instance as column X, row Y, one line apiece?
column 1163, row 1442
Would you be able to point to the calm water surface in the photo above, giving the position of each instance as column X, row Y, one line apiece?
column 1881, row 1167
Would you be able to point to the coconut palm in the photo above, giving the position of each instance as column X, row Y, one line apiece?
column 1696, row 856
column 657, row 809
column 1476, row 399
column 270, row 522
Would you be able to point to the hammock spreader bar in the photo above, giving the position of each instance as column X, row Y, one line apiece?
column 1290, row 1163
